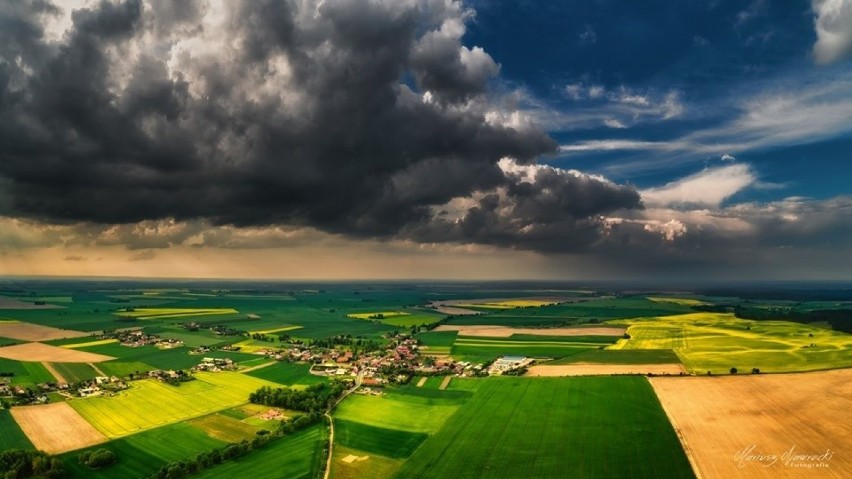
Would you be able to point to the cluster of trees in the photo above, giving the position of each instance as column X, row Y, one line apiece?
column 262, row 337
column 204, row 460
column 515, row 371
column 21, row 464
column 397, row 373
column 315, row 399
column 97, row 458
column 346, row 340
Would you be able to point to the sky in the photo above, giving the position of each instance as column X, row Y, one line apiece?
column 356, row 139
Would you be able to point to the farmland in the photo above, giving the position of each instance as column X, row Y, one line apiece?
column 483, row 427
column 34, row 332
column 173, row 313
column 395, row 412
column 533, row 346
column 718, row 341
column 399, row 318
column 601, row 427
column 732, row 425
column 287, row 374
column 393, row 443
column 13, row 437
column 46, row 353
column 55, row 428
column 149, row 403
column 25, row 373
column 142, row 454
column 74, row 372
column 224, row 428
column 296, row 456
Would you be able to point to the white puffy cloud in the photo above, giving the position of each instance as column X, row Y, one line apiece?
column 709, row 187
column 833, row 23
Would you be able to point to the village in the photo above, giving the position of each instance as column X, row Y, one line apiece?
column 372, row 364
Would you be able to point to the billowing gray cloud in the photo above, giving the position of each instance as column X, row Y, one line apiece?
column 351, row 117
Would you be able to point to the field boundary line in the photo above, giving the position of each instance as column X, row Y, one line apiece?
column 259, row 366
column 54, row 372
column 696, row 468
column 97, row 369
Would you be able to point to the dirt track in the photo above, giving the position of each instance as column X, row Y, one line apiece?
column 53, row 371
column 56, row 428
column 505, row 331
column 587, row 369
column 754, row 426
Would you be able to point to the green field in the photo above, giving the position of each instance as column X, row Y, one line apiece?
column 622, row 356
column 392, row 443
column 479, row 348
column 287, row 374
column 404, row 412
column 590, row 427
column 296, row 456
column 150, row 403
column 75, row 372
column 437, row 342
column 12, row 437
column 25, row 373
column 224, row 428
column 141, row 455
column 174, row 313
column 175, row 358
column 719, row 341
column 124, row 368
column 575, row 313
column 402, row 319
column 375, row 467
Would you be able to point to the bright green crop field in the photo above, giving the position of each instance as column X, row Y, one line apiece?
column 554, row 427
column 25, row 373
column 75, row 372
column 141, row 455
column 490, row 348
column 296, row 456
column 287, row 374
column 576, row 313
column 392, row 443
column 150, row 403
column 622, row 356
column 719, row 341
column 402, row 412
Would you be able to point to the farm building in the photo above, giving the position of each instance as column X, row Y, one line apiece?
column 507, row 363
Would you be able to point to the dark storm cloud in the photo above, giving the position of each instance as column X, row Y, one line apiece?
column 276, row 113
column 539, row 208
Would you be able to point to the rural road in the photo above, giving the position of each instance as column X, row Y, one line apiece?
column 331, row 423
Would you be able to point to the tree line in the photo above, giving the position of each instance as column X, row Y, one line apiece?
column 21, row 464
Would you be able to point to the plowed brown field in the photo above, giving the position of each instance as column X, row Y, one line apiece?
column 763, row 426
